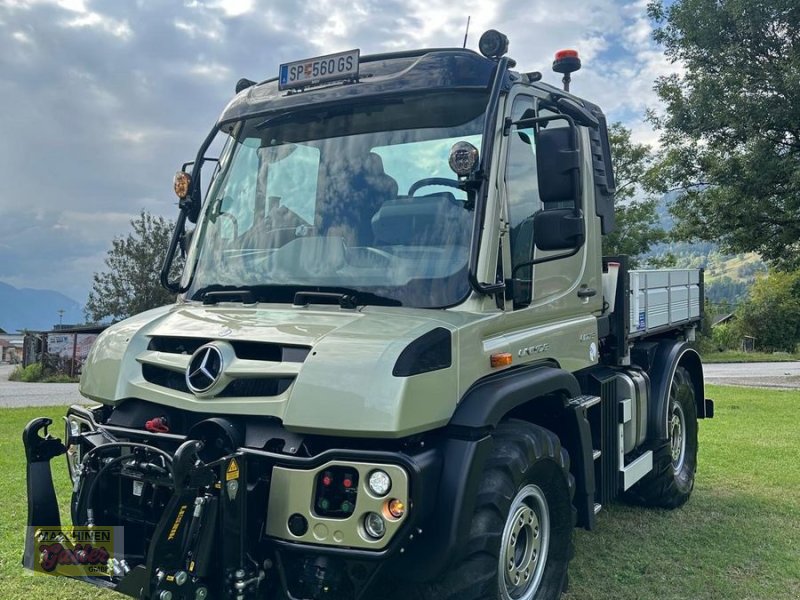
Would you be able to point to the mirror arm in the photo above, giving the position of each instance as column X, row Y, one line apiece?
column 482, row 194
column 531, row 121
column 195, row 198
column 544, row 259
column 180, row 226
column 189, row 207
column 568, row 106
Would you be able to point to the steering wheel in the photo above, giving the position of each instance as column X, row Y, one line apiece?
column 453, row 183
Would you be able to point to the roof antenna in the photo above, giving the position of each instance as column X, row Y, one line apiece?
column 466, row 33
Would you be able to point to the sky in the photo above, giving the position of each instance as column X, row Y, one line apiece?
column 101, row 101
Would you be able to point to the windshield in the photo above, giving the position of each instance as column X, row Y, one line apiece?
column 356, row 197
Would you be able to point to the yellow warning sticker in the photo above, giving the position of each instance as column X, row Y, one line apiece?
column 174, row 530
column 233, row 470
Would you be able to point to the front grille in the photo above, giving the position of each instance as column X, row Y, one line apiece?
column 238, row 388
column 164, row 376
column 247, row 388
column 243, row 349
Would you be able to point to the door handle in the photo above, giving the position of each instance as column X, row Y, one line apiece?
column 586, row 292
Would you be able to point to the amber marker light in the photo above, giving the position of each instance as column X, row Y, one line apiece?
column 501, row 359
column 181, row 184
column 396, row 508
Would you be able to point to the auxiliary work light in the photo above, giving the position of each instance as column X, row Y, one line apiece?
column 181, row 184
column 463, row 158
column 493, row 44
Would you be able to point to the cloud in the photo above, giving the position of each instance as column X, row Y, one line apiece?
column 102, row 101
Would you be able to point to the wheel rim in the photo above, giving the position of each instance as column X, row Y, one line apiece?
column 677, row 435
column 526, row 538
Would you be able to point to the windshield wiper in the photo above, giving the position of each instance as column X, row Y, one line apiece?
column 344, row 297
column 344, row 300
column 213, row 294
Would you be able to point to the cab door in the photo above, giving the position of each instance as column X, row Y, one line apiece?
column 562, row 295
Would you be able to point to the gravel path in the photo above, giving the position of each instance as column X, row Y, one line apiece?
column 770, row 375
column 16, row 394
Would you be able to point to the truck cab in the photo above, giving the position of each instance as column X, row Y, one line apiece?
column 397, row 353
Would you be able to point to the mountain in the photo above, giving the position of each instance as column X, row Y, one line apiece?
column 35, row 309
column 728, row 277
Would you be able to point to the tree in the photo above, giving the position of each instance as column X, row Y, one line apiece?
column 637, row 227
column 731, row 129
column 131, row 283
column 771, row 313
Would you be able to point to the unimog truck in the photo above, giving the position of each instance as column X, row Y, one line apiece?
column 398, row 364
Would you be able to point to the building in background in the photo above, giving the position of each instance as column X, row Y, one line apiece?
column 11, row 347
column 62, row 350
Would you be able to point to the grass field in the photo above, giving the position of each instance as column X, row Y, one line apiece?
column 731, row 356
column 738, row 538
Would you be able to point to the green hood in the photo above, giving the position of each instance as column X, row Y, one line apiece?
column 343, row 387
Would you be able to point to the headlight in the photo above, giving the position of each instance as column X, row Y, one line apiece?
column 379, row 483
column 374, row 525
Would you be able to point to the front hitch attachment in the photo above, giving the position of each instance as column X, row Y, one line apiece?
column 42, row 503
column 203, row 531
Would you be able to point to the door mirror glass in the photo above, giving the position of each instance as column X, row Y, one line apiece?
column 558, row 229
column 558, row 166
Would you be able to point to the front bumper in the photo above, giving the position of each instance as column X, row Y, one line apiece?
column 222, row 531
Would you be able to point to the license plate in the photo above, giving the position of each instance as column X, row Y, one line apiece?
column 333, row 67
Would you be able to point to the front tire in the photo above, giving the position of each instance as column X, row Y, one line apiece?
column 670, row 483
column 520, row 539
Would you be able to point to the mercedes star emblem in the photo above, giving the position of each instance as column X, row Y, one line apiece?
column 204, row 369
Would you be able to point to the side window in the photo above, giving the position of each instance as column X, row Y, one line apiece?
column 522, row 189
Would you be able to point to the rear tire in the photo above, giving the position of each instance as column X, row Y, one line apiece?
column 670, row 483
column 520, row 540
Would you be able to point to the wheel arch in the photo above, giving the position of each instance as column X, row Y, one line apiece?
column 491, row 399
column 660, row 360
column 535, row 393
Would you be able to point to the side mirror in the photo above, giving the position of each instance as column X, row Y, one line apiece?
column 558, row 165
column 558, row 229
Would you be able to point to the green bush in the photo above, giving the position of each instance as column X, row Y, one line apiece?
column 36, row 373
column 772, row 312
column 59, row 378
column 29, row 374
column 726, row 336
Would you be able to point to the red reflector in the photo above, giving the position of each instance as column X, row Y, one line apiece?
column 566, row 54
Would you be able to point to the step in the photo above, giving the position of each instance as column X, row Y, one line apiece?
column 585, row 401
column 635, row 470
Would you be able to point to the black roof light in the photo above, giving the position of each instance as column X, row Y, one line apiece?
column 243, row 84
column 493, row 44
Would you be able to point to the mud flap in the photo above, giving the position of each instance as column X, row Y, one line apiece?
column 42, row 503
